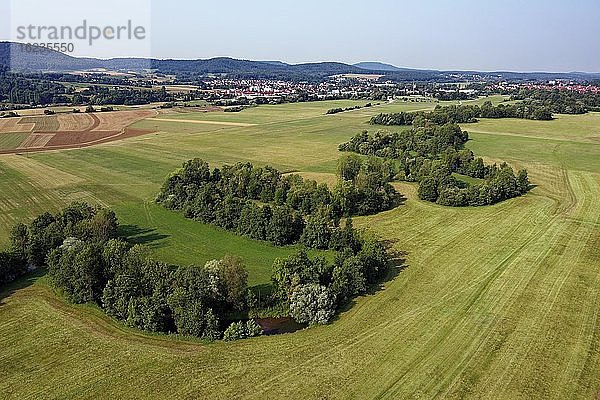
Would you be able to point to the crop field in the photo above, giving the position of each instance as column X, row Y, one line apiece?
column 495, row 302
column 67, row 130
column 47, row 123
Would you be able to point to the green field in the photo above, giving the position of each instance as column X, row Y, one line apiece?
column 178, row 240
column 9, row 141
column 495, row 302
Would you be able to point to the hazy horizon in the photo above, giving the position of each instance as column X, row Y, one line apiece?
column 534, row 36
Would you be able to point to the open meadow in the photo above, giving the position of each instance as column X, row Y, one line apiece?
column 499, row 301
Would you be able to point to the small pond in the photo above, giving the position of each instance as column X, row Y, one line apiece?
column 274, row 326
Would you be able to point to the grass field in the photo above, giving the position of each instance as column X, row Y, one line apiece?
column 178, row 240
column 495, row 302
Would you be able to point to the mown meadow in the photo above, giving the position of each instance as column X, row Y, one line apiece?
column 494, row 302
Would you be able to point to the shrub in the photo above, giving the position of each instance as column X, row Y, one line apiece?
column 312, row 304
column 11, row 267
column 240, row 330
column 348, row 279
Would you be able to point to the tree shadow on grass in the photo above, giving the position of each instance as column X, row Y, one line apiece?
column 21, row 283
column 146, row 236
column 400, row 200
column 397, row 265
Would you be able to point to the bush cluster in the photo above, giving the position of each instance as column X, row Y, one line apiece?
column 263, row 204
column 315, row 288
column 242, row 330
column 460, row 114
column 431, row 155
column 89, row 263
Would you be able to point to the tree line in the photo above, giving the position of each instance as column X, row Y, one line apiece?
column 90, row 263
column 428, row 141
column 561, row 101
column 459, row 114
column 34, row 91
column 264, row 204
column 100, row 95
column 338, row 110
column 15, row 88
column 431, row 155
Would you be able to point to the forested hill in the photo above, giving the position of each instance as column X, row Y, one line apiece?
column 378, row 66
column 17, row 57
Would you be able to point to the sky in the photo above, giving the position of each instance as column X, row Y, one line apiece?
column 523, row 35
column 513, row 35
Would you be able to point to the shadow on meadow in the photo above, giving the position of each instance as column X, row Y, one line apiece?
column 20, row 283
column 146, row 236
column 397, row 265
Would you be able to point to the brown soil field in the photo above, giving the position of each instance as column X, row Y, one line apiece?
column 48, row 123
column 36, row 140
column 14, row 125
column 117, row 120
column 65, row 131
column 79, row 137
column 75, row 140
column 74, row 122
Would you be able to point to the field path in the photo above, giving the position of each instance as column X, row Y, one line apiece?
column 195, row 121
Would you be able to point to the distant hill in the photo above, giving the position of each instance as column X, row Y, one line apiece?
column 378, row 66
column 20, row 58
column 28, row 58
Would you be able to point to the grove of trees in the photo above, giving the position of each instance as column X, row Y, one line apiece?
column 459, row 114
column 89, row 263
column 29, row 245
column 18, row 89
column 100, row 95
column 263, row 204
column 432, row 155
column 314, row 288
column 561, row 101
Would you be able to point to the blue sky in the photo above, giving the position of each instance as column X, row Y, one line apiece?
column 464, row 34
column 512, row 35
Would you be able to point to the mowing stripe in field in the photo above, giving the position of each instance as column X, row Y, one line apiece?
column 495, row 302
column 196, row 121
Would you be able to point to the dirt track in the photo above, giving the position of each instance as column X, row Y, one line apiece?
column 194, row 121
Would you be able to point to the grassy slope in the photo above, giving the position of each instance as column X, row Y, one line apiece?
column 496, row 302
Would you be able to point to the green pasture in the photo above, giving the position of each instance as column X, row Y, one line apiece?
column 494, row 302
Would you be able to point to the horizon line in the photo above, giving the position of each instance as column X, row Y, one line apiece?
column 320, row 62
